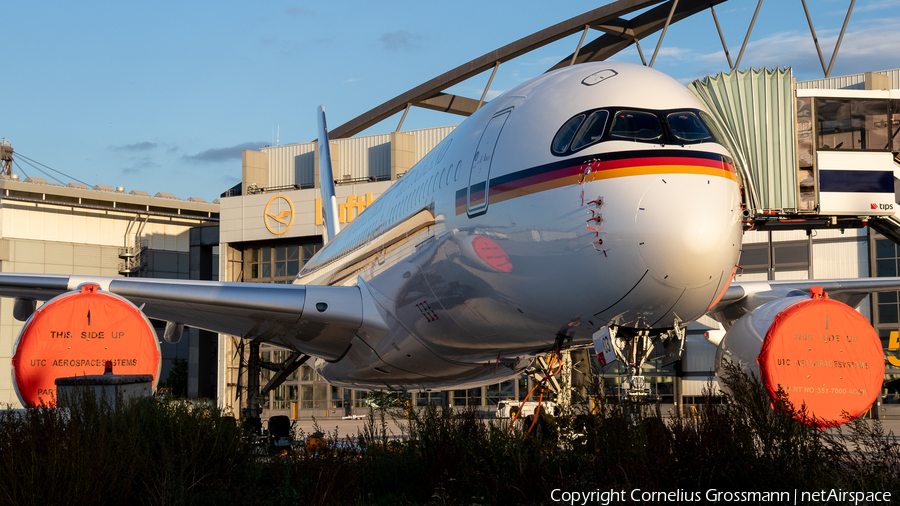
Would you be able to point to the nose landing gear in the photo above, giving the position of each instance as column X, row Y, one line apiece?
column 633, row 347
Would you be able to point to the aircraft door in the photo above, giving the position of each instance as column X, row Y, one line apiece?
column 477, row 193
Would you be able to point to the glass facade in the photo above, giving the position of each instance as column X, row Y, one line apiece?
column 895, row 126
column 658, row 379
column 853, row 124
column 806, row 155
column 775, row 256
column 277, row 263
column 886, row 317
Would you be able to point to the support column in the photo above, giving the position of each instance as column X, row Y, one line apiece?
column 253, row 411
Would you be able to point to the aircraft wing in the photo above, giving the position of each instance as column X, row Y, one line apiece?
column 741, row 298
column 316, row 320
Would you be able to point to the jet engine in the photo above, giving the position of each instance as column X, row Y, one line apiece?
column 821, row 352
column 76, row 334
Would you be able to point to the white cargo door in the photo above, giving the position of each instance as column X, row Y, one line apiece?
column 477, row 195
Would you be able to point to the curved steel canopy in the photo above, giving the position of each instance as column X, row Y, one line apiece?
column 618, row 34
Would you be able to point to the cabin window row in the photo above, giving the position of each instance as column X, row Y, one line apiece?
column 428, row 187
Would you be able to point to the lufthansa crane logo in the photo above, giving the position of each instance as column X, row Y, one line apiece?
column 279, row 214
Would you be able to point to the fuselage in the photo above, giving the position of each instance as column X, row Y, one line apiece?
column 590, row 196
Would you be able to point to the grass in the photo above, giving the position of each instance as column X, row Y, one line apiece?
column 153, row 452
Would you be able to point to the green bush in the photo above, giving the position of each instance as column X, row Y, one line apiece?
column 169, row 452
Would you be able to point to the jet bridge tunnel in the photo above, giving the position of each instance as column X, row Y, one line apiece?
column 810, row 158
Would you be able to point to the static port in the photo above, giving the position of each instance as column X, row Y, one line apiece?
column 321, row 306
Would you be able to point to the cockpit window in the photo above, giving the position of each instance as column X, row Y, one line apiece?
column 672, row 126
column 636, row 125
column 686, row 126
column 713, row 128
column 566, row 133
column 591, row 131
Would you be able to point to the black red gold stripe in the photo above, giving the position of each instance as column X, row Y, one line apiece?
column 559, row 174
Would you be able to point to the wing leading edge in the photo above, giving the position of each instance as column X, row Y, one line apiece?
column 315, row 320
column 741, row 298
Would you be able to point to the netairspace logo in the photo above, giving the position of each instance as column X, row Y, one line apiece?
column 606, row 497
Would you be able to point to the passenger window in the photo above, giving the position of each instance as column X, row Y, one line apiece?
column 636, row 125
column 686, row 126
column 591, row 131
column 566, row 133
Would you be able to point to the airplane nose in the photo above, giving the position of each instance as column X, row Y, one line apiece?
column 688, row 228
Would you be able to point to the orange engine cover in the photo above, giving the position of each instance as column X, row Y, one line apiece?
column 75, row 334
column 821, row 352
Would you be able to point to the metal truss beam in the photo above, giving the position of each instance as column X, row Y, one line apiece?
column 449, row 103
column 618, row 26
column 424, row 91
column 747, row 38
column 827, row 70
column 638, row 28
column 619, row 34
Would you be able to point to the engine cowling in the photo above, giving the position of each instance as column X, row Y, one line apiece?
column 823, row 353
column 75, row 334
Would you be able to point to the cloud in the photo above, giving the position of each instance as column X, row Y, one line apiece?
column 671, row 53
column 402, row 40
column 876, row 6
column 871, row 47
column 492, row 94
column 139, row 165
column 137, row 146
column 215, row 155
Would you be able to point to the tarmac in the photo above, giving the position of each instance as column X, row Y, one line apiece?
column 397, row 428
column 349, row 428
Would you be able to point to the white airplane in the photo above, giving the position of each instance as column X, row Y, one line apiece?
column 596, row 198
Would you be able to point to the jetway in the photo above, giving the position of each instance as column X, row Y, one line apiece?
column 810, row 158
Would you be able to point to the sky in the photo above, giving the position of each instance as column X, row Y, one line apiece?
column 163, row 96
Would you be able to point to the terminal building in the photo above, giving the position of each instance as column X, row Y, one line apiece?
column 271, row 224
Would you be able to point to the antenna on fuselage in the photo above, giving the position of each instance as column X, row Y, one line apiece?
column 326, row 180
